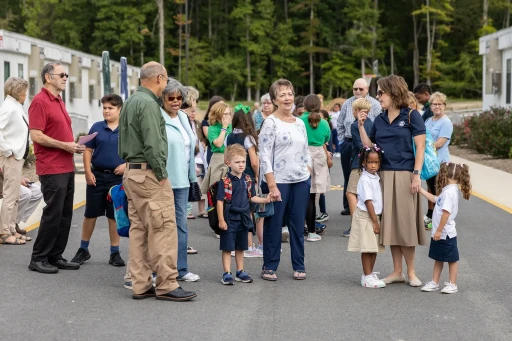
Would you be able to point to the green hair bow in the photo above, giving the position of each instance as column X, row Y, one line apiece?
column 246, row 109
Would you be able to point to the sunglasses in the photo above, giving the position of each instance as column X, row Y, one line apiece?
column 172, row 98
column 358, row 89
column 62, row 75
column 380, row 93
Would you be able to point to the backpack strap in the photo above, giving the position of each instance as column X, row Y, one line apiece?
column 248, row 182
column 228, row 188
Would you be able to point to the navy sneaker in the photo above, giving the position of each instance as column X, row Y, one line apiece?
column 242, row 276
column 227, row 279
column 319, row 228
column 322, row 217
column 347, row 232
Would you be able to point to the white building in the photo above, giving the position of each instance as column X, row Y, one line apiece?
column 23, row 56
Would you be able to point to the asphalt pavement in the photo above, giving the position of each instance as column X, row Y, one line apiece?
column 91, row 303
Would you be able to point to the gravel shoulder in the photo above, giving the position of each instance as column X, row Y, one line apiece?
column 483, row 159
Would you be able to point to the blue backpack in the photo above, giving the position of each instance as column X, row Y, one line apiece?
column 431, row 163
column 118, row 197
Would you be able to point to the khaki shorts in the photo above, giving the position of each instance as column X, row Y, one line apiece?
column 352, row 181
column 362, row 238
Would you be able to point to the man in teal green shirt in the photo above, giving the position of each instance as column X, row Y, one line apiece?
column 153, row 234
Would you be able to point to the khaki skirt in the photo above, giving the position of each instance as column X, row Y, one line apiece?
column 216, row 170
column 320, row 178
column 402, row 217
column 362, row 238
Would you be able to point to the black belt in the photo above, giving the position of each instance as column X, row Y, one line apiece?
column 348, row 139
column 138, row 166
column 103, row 170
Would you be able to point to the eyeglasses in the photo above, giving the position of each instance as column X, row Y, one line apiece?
column 168, row 79
column 358, row 89
column 172, row 98
column 380, row 93
column 62, row 75
column 437, row 104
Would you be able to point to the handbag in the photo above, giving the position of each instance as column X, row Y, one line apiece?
column 431, row 163
column 194, row 192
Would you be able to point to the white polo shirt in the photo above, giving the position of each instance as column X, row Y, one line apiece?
column 448, row 201
column 368, row 188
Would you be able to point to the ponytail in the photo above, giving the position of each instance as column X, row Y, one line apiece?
column 454, row 171
column 314, row 119
column 312, row 104
column 465, row 182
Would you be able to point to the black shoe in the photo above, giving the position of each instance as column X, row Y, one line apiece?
column 65, row 265
column 177, row 295
column 43, row 267
column 81, row 256
column 345, row 212
column 20, row 231
column 149, row 293
column 116, row 260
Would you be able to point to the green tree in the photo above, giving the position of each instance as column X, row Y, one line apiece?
column 338, row 72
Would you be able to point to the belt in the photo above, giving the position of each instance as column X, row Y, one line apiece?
column 348, row 139
column 102, row 170
column 143, row 166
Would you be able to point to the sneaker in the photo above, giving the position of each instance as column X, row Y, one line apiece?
column 319, row 228
column 81, row 256
column 227, row 279
column 347, row 232
column 260, row 252
column 189, row 277
column 313, row 237
column 306, row 230
column 232, row 253
column 116, row 260
column 252, row 253
column 322, row 217
column 128, row 285
column 153, row 278
column 371, row 281
column 285, row 234
column 337, row 155
column 242, row 276
column 427, row 222
column 430, row 286
column 217, row 236
column 449, row 288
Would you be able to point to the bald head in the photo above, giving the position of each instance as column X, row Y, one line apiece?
column 154, row 77
column 360, row 88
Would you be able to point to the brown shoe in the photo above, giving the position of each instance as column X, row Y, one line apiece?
column 20, row 231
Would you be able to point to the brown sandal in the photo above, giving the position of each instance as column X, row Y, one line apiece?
column 22, row 237
column 4, row 237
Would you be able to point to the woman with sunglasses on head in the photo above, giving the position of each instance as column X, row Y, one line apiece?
column 394, row 131
column 180, row 166
column 244, row 133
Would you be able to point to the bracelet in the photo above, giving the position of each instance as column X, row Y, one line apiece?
column 224, row 129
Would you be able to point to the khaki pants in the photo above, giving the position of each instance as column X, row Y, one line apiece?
column 10, row 181
column 153, row 234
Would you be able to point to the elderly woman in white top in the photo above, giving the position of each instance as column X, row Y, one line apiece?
column 180, row 165
column 13, row 151
column 286, row 166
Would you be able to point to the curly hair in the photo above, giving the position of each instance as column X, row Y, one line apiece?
column 216, row 112
column 244, row 122
column 455, row 171
column 365, row 151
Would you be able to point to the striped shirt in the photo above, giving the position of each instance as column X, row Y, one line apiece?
column 346, row 117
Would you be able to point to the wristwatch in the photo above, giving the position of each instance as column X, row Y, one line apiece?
column 416, row 172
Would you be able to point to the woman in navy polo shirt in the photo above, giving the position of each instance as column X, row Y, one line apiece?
column 103, row 169
column 394, row 130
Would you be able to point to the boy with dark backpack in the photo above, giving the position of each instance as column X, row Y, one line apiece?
column 234, row 195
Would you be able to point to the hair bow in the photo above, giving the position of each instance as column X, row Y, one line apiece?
column 246, row 109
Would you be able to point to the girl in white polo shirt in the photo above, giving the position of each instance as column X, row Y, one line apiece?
column 364, row 236
column 443, row 245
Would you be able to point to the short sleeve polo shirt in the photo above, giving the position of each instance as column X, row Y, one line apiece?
column 105, row 145
column 395, row 139
column 48, row 113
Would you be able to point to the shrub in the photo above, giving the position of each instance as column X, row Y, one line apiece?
column 489, row 133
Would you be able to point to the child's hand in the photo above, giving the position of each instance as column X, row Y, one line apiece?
column 437, row 235
column 361, row 117
column 376, row 227
column 268, row 199
column 223, row 225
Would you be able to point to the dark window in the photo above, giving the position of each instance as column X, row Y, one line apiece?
column 91, row 93
column 7, row 70
column 20, row 71
column 508, row 88
column 32, row 87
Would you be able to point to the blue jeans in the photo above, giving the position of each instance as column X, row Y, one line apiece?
column 334, row 138
column 180, row 204
column 294, row 203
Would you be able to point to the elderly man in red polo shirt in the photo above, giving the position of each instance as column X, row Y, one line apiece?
column 50, row 130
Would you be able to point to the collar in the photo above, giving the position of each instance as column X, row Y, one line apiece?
column 427, row 105
column 147, row 91
column 450, row 186
column 9, row 98
column 370, row 175
column 50, row 95
column 105, row 126
column 233, row 177
column 237, row 131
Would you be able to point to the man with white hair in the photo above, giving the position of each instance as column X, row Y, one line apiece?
column 345, row 119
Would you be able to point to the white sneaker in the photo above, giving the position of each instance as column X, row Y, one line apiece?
column 371, row 281
column 217, row 236
column 430, row 286
column 285, row 234
column 232, row 253
column 449, row 288
column 251, row 253
column 337, row 155
column 313, row 237
column 189, row 277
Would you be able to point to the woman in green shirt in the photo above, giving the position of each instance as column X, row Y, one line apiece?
column 318, row 135
column 220, row 117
